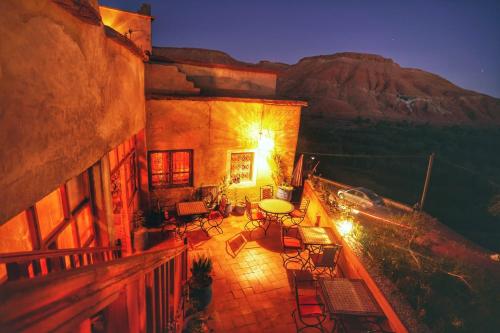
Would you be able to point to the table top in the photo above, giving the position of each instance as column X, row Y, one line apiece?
column 317, row 235
column 276, row 206
column 191, row 208
column 350, row 297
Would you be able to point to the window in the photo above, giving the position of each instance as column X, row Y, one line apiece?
column 122, row 162
column 171, row 168
column 241, row 169
column 50, row 213
column 15, row 238
column 62, row 219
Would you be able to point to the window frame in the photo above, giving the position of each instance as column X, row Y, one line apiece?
column 170, row 173
column 247, row 183
column 69, row 218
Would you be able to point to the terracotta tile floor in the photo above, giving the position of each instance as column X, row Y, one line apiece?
column 252, row 292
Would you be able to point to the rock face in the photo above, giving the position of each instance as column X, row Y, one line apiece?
column 351, row 85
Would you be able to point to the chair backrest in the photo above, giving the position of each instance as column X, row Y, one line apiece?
column 330, row 256
column 266, row 192
column 222, row 204
column 248, row 207
column 304, row 203
column 289, row 232
column 303, row 283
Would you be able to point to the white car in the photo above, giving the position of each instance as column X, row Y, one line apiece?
column 361, row 197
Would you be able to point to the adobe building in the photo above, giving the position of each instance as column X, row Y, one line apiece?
column 95, row 126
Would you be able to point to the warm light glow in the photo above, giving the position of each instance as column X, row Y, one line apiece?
column 344, row 227
column 266, row 144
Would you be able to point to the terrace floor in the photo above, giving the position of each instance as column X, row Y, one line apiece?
column 251, row 292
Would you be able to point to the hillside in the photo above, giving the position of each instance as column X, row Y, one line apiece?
column 349, row 85
column 355, row 85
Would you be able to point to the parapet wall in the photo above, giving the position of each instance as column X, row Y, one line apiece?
column 349, row 263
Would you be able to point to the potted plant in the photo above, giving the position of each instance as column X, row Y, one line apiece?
column 223, row 188
column 239, row 206
column 200, row 283
column 140, row 232
column 196, row 323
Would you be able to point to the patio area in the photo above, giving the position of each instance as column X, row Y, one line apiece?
column 252, row 292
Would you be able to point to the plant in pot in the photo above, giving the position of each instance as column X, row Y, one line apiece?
column 140, row 232
column 223, row 189
column 239, row 206
column 196, row 323
column 200, row 283
column 280, row 179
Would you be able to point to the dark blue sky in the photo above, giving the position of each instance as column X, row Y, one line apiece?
column 459, row 40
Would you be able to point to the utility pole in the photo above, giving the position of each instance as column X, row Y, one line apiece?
column 427, row 180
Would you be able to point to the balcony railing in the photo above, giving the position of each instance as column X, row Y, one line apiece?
column 25, row 265
column 147, row 288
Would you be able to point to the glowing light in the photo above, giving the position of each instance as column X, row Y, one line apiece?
column 266, row 144
column 344, row 227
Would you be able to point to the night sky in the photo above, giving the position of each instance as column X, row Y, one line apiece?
column 459, row 40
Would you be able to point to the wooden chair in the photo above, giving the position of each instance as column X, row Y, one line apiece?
column 327, row 260
column 255, row 218
column 310, row 310
column 292, row 246
column 266, row 192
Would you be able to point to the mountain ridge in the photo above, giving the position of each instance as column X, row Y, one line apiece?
column 349, row 85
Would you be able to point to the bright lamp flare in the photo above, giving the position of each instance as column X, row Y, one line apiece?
column 266, row 144
column 345, row 227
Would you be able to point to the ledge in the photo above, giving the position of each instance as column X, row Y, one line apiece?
column 82, row 9
column 156, row 59
column 228, row 99
column 124, row 41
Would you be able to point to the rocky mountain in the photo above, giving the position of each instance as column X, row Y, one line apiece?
column 351, row 85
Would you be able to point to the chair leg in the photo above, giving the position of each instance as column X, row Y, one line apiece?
column 287, row 258
column 318, row 325
column 214, row 224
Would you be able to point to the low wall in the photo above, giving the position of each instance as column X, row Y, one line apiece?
column 349, row 263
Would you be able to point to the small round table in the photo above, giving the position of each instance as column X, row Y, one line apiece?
column 276, row 206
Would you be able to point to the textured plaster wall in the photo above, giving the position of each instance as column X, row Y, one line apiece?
column 68, row 95
column 213, row 127
column 214, row 79
column 123, row 22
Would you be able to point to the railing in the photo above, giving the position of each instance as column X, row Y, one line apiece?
column 136, row 293
column 26, row 265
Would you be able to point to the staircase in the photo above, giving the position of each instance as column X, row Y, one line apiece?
column 167, row 79
column 94, row 290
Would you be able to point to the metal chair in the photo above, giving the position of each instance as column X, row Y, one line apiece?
column 298, row 215
column 310, row 310
column 215, row 217
column 266, row 192
column 326, row 260
column 256, row 219
column 292, row 246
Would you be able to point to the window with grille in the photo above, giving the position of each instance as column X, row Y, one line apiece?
column 171, row 168
column 241, row 167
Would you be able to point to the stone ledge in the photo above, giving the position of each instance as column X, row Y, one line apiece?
column 82, row 9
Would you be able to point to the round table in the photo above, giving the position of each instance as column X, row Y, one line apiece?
column 276, row 206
